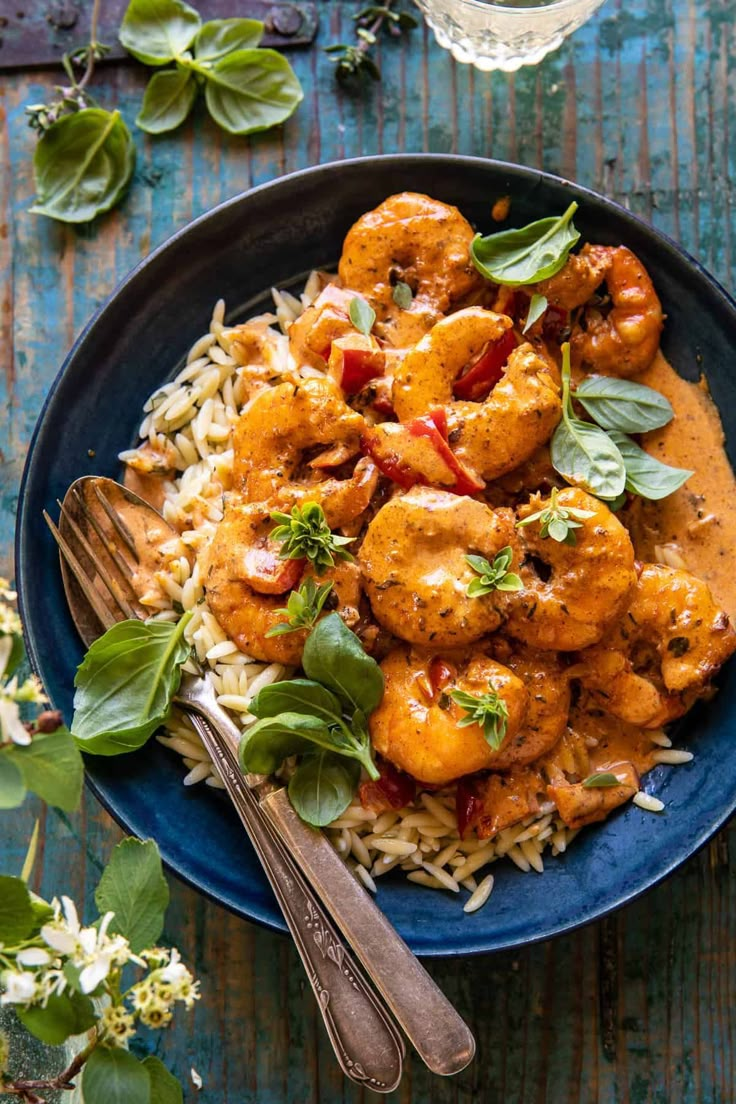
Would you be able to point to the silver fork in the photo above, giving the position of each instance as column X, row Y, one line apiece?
column 367, row 1045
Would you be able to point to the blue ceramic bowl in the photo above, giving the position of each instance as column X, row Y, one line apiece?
column 238, row 251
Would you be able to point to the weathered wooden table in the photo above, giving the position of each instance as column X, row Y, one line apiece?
column 638, row 105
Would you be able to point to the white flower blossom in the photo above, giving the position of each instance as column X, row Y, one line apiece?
column 91, row 950
column 11, row 726
column 6, row 593
column 33, row 956
column 20, row 987
column 29, row 691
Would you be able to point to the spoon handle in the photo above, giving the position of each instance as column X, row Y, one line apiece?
column 442, row 1039
column 366, row 1042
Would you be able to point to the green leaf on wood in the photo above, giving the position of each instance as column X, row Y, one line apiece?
column 113, row 1076
column 134, row 888
column 167, row 101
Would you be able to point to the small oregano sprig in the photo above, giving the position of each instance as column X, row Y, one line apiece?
column 85, row 155
column 488, row 710
column 39, row 755
column 493, row 576
column 307, row 536
column 557, row 522
column 246, row 88
column 302, row 608
column 354, row 60
column 51, row 966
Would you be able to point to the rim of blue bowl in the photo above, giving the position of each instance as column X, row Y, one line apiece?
column 528, row 173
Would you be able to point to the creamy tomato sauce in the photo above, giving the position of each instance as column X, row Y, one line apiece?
column 698, row 521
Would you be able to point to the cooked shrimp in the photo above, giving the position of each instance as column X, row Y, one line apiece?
column 416, row 725
column 579, row 804
column 494, row 436
column 579, row 590
column 276, row 429
column 247, row 583
column 415, row 570
column 548, row 686
column 578, row 279
column 672, row 640
column 418, row 241
column 624, row 341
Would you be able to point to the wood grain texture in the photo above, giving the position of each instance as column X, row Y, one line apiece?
column 639, row 105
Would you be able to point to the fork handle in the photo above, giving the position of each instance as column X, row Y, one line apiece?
column 441, row 1037
column 366, row 1042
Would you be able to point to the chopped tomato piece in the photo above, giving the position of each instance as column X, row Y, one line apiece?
column 441, row 674
column 266, row 573
column 468, row 805
column 393, row 790
column 555, row 322
column 418, row 452
column 354, row 359
column 482, row 377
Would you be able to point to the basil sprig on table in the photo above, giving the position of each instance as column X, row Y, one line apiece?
column 125, row 684
column 528, row 254
column 82, row 165
column 601, row 459
column 246, row 88
column 322, row 718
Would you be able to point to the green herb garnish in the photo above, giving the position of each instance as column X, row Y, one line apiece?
column 362, row 315
column 601, row 781
column 557, row 522
column 307, row 536
column 488, row 710
column 302, row 608
column 402, row 295
column 583, row 453
column 645, row 475
column 354, row 61
column 528, row 254
column 125, row 684
column 537, row 307
column 492, row 576
column 323, row 718
column 623, row 405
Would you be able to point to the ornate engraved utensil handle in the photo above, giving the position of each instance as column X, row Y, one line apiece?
column 366, row 1042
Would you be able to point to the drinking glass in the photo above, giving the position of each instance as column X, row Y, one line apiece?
column 504, row 34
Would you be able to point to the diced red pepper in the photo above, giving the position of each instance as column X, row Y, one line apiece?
column 354, row 359
column 441, row 674
column 266, row 573
column 483, row 376
column 393, row 790
column 434, row 427
column 468, row 805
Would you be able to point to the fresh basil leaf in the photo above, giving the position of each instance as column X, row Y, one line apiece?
column 402, row 295
column 167, row 101
column 271, row 740
column 82, row 165
column 537, row 307
column 323, row 786
column 362, row 315
column 645, row 475
column 113, row 1076
column 222, row 36
column 157, row 31
column 587, row 457
column 624, row 405
column 16, row 911
column 134, row 888
column 125, row 684
column 297, row 696
column 52, row 767
column 528, row 254
column 65, row 1015
column 13, row 789
column 251, row 90
column 334, row 656
column 165, row 1088
column 601, row 781
column 42, row 913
